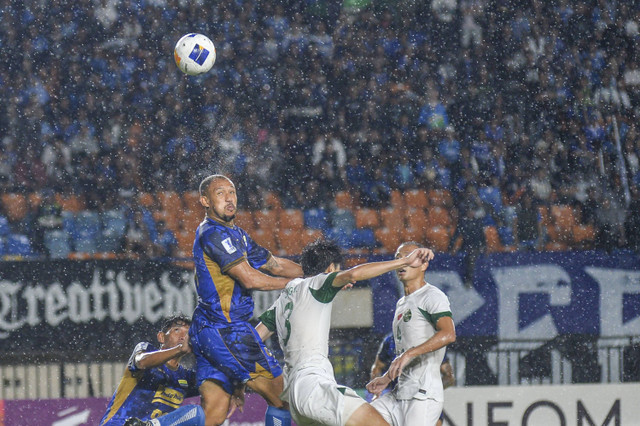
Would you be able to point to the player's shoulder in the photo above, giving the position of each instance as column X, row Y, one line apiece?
column 144, row 347
column 431, row 290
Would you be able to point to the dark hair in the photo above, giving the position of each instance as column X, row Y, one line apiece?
column 204, row 185
column 318, row 255
column 174, row 320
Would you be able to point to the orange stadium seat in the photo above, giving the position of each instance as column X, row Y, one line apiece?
column 438, row 238
column 388, row 238
column 543, row 211
column 185, row 243
column 344, row 200
column 15, row 206
column 191, row 201
column 71, row 203
column 266, row 238
column 366, row 218
column 494, row 244
column 190, row 220
column 289, row 242
column 244, row 219
column 265, row 219
column 272, row 201
column 291, row 219
column 147, row 200
column 169, row 200
column 564, row 221
column 34, row 199
column 397, row 199
column 170, row 218
column 414, row 234
column 584, row 235
column 439, row 216
column 416, row 198
column 392, row 218
column 440, row 197
column 416, row 218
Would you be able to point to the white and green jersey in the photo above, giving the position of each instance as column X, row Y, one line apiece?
column 301, row 316
column 414, row 323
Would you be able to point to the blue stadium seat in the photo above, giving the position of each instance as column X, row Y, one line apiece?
column 57, row 244
column 109, row 241
column 5, row 228
column 87, row 224
column 114, row 223
column 343, row 219
column 84, row 242
column 69, row 222
column 18, row 245
column 317, row 219
column 341, row 237
column 363, row 238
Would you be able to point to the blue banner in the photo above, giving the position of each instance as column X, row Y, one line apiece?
column 529, row 296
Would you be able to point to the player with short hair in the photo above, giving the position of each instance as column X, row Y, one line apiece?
column 422, row 328
column 302, row 318
column 154, row 383
column 229, row 265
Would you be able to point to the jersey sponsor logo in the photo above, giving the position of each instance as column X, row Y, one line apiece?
column 228, row 246
column 406, row 317
column 168, row 396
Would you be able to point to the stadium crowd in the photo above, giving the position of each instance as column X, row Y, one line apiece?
column 508, row 110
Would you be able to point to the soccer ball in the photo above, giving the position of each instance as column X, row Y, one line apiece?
column 194, row 54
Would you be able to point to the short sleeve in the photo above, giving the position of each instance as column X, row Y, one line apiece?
column 256, row 254
column 435, row 306
column 322, row 288
column 140, row 347
column 222, row 249
column 268, row 318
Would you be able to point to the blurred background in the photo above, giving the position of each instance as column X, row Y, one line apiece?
column 502, row 134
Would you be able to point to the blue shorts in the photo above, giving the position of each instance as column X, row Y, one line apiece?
column 235, row 349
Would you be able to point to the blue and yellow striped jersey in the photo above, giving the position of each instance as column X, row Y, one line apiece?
column 216, row 249
column 148, row 393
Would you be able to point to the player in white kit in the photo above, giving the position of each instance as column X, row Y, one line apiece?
column 302, row 316
column 422, row 328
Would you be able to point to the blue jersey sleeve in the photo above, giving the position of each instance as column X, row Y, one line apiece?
column 223, row 249
column 387, row 350
column 256, row 255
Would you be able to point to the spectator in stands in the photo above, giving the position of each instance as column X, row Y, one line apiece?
column 470, row 231
column 47, row 218
column 527, row 225
column 138, row 241
column 166, row 242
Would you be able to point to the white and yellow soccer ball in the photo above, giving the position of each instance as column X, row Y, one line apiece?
column 194, row 54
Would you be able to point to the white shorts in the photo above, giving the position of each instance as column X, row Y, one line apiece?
column 408, row 412
column 315, row 397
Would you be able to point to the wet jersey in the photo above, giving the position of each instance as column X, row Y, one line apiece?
column 414, row 323
column 302, row 318
column 216, row 249
column 148, row 393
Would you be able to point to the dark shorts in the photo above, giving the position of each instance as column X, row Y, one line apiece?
column 235, row 349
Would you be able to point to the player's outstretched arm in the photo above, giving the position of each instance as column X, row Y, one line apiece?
column 370, row 270
column 282, row 267
column 253, row 279
column 145, row 360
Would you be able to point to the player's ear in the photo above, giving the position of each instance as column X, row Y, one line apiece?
column 204, row 200
column 160, row 337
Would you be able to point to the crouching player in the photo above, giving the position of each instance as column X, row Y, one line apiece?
column 154, row 384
